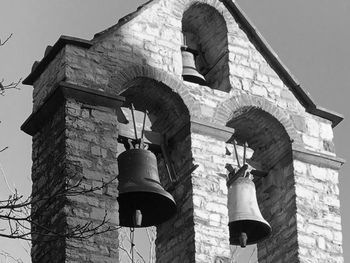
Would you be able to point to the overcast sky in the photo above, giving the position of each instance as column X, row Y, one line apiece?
column 311, row 37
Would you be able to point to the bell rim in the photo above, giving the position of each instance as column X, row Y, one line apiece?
column 137, row 190
column 125, row 207
column 267, row 231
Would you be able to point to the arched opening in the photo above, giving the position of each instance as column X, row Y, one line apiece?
column 168, row 115
column 271, row 144
column 205, row 31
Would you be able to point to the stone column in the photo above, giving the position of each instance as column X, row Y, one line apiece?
column 318, row 207
column 199, row 231
column 74, row 154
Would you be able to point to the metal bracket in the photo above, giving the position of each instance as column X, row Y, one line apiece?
column 243, row 170
column 154, row 141
column 169, row 165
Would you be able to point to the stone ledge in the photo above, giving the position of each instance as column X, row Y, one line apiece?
column 39, row 67
column 220, row 132
column 63, row 91
column 318, row 159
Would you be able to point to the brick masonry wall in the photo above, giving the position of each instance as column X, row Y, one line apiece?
column 144, row 47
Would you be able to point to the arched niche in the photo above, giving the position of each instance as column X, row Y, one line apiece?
column 168, row 115
column 263, row 133
column 271, row 144
column 205, row 31
column 167, row 107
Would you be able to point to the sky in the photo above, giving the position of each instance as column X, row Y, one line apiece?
column 312, row 38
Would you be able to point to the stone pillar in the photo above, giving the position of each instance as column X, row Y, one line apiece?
column 74, row 154
column 199, row 231
column 317, row 206
column 300, row 199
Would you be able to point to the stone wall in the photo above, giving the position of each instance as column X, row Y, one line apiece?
column 74, row 179
column 48, row 211
column 140, row 58
column 91, row 145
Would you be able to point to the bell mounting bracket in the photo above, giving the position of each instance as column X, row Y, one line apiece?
column 243, row 170
column 131, row 136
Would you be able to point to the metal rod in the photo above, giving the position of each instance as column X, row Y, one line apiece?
column 169, row 167
column 234, row 146
column 143, row 124
column 215, row 63
column 244, row 152
column 133, row 119
column 132, row 236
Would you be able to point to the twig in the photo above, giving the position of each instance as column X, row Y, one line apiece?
column 12, row 85
column 4, row 149
column 252, row 254
column 7, row 39
column 5, row 177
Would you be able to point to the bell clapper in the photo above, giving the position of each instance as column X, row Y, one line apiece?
column 243, row 239
column 137, row 218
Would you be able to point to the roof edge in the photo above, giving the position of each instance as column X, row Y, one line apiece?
column 50, row 53
column 274, row 61
column 125, row 19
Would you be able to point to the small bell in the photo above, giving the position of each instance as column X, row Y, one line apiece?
column 189, row 71
column 142, row 200
column 246, row 224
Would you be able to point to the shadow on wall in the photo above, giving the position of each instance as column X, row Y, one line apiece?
column 205, row 31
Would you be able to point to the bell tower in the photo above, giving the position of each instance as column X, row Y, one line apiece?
column 221, row 110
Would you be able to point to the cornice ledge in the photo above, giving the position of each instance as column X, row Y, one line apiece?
column 197, row 126
column 63, row 91
column 316, row 158
column 220, row 132
column 51, row 52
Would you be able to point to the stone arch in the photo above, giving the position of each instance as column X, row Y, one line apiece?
column 167, row 99
column 205, row 31
column 228, row 109
column 129, row 76
column 219, row 6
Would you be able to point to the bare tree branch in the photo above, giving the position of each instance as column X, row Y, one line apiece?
column 7, row 256
column 3, row 149
column 18, row 213
column 12, row 85
column 7, row 39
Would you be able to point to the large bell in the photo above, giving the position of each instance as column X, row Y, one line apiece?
column 246, row 224
column 189, row 71
column 142, row 199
